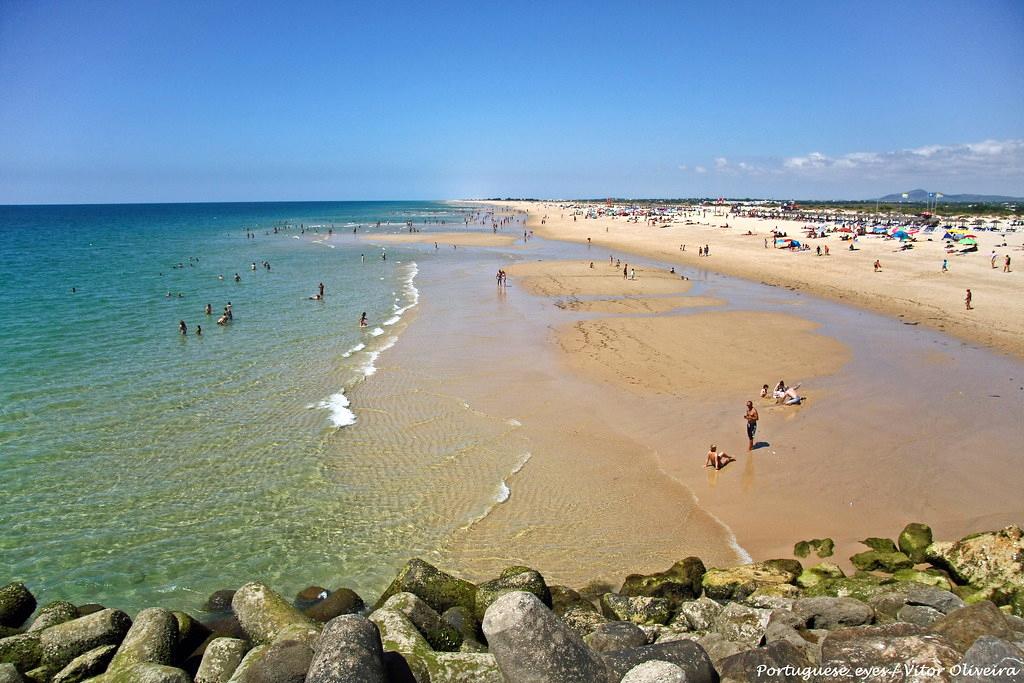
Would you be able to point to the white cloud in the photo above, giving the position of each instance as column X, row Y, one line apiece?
column 700, row 169
column 721, row 162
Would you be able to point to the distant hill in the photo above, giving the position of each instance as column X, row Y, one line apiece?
column 921, row 196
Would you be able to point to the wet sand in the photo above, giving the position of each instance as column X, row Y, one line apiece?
column 910, row 285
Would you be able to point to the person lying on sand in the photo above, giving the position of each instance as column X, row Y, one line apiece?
column 790, row 397
column 716, row 459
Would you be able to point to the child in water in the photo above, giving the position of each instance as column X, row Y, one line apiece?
column 362, row 320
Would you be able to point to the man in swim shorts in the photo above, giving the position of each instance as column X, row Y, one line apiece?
column 751, row 417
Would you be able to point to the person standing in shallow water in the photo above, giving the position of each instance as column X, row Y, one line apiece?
column 321, row 290
column 182, row 327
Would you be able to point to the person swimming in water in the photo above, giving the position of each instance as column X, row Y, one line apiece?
column 209, row 309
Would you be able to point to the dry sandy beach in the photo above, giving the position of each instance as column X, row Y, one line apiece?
column 911, row 283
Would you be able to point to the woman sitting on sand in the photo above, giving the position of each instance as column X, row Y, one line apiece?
column 780, row 389
column 716, row 459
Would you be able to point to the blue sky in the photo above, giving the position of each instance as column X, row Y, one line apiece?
column 217, row 101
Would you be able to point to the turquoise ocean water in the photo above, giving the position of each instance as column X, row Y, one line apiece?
column 143, row 467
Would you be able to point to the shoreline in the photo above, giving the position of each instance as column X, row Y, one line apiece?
column 999, row 327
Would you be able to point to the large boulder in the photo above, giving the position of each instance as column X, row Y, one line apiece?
column 512, row 579
column 339, row 602
column 877, row 560
column 773, row 596
column 686, row 654
column 823, row 571
column 463, row 621
column 263, row 613
column 219, row 601
column 9, row 674
column 400, row 636
column 851, row 657
column 779, row 661
column 439, row 634
column 636, row 610
column 285, row 660
column 655, row 671
column 737, row 583
column 985, row 559
column 963, row 626
column 718, row 647
column 832, row 613
column 530, row 644
column 822, row 547
column 463, row 667
column 152, row 638
column 309, row 596
column 349, row 649
column 192, row 635
column 742, row 624
column 564, row 599
column 942, row 600
column 221, row 659
column 928, row 577
column 16, row 604
column 697, row 615
column 147, row 672
column 990, row 660
column 914, row 541
column 92, row 663
column 583, row 621
column 62, row 643
column 243, row 672
column 615, row 635
column 54, row 613
column 677, row 584
column 918, row 614
column 24, row 651
column 433, row 586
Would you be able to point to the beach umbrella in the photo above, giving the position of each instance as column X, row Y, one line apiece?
column 901, row 235
column 968, row 241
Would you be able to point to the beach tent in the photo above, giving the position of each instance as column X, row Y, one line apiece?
column 968, row 241
column 782, row 242
column 901, row 235
column 947, row 236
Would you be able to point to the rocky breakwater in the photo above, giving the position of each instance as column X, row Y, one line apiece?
column 912, row 610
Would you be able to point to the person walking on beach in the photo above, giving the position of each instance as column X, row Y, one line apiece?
column 1006, row 264
column 993, row 260
column 878, row 266
column 945, row 265
column 707, row 250
column 967, row 300
column 751, row 417
column 182, row 327
column 632, row 273
column 625, row 271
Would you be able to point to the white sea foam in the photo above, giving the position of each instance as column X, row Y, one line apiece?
column 377, row 331
column 338, row 405
column 504, row 492
column 512, row 422
column 357, row 347
column 392, row 320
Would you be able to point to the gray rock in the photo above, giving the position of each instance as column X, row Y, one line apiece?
column 152, row 638
column 936, row 598
column 512, row 579
column 697, row 615
column 16, row 604
column 831, row 613
column 433, row 586
column 339, row 602
column 963, row 626
column 615, row 635
column 24, row 650
column 530, row 644
column 582, row 621
column 777, row 631
column 991, row 558
column 9, row 674
column 887, row 654
column 991, row 660
column 637, row 610
column 918, row 614
column 440, row 634
column 349, row 651
column 264, row 614
column 718, row 647
column 219, row 601
column 564, row 599
column 742, row 624
column 147, row 672
column 686, row 654
column 221, row 659
column 62, row 643
column 248, row 663
column 284, row 661
column 780, row 596
column 779, row 661
column 655, row 671
column 887, row 605
column 92, row 663
column 677, row 584
column 54, row 613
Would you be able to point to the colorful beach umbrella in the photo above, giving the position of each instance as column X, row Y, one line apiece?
column 968, row 241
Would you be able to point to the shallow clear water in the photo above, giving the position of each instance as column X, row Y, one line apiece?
column 143, row 467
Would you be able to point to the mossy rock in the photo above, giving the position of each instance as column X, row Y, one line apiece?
column 639, row 610
column 928, row 577
column 914, row 541
column 736, row 583
column 677, row 584
column 881, row 545
column 1000, row 595
column 876, row 560
column 822, row 571
column 822, row 547
column 438, row 633
column 16, row 604
column 512, row 579
column 564, row 599
column 24, row 651
column 992, row 558
column 1017, row 604
column 435, row 587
